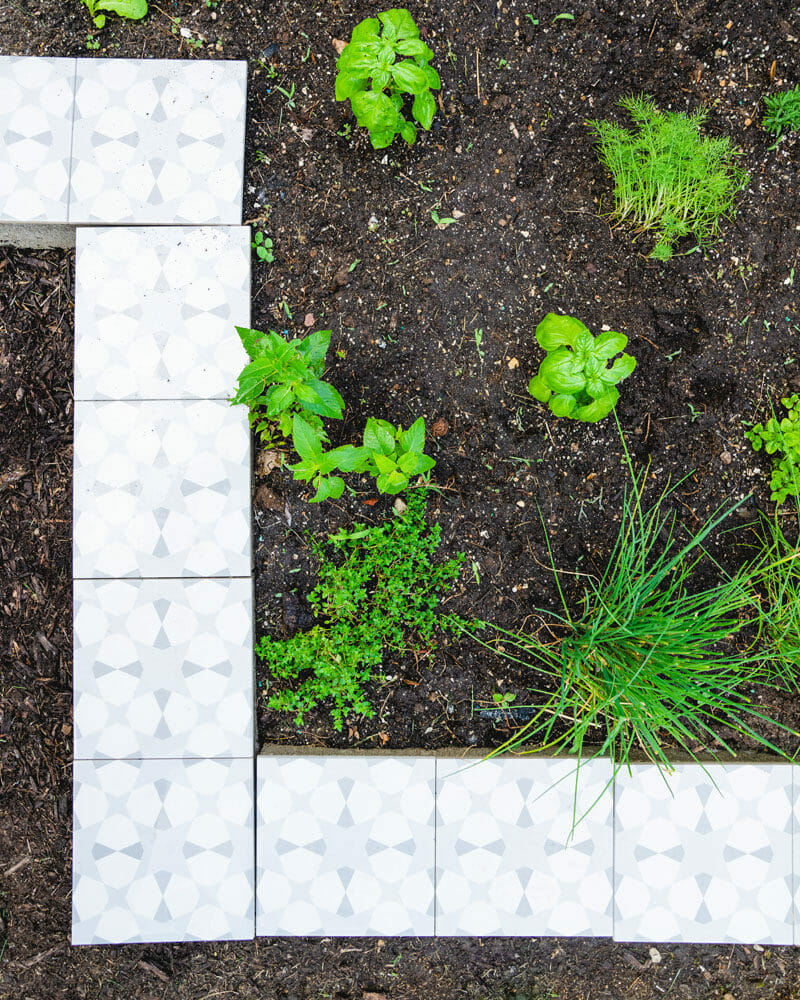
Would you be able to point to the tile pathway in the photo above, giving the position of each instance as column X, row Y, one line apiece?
column 179, row 834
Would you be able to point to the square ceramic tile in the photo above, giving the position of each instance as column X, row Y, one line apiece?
column 156, row 310
column 158, row 141
column 523, row 847
column 161, row 489
column 345, row 845
column 163, row 668
column 162, row 851
column 704, row 854
column 36, row 105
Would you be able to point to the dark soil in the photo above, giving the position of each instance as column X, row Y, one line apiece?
column 715, row 335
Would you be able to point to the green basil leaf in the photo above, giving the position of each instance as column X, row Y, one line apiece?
column 620, row 370
column 409, row 78
column 539, row 389
column 373, row 110
column 414, row 47
column 359, row 59
column 382, row 139
column 433, row 77
column 560, row 372
column 399, row 22
column 347, row 84
column 557, row 331
column 366, row 30
column 562, row 404
column 424, row 108
column 381, row 79
column 598, row 408
column 134, row 10
column 606, row 345
column 409, row 132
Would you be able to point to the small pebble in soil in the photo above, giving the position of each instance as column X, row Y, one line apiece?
column 725, row 458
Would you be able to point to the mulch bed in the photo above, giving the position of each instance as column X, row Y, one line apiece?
column 715, row 336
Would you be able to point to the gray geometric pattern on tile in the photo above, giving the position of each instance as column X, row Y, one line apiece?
column 158, row 142
column 161, row 488
column 162, row 851
column 508, row 861
column 706, row 857
column 163, row 668
column 36, row 103
column 156, row 310
column 345, row 845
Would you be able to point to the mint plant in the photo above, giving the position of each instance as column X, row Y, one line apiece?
column 284, row 392
column 133, row 10
column 283, row 380
column 668, row 179
column 781, row 438
column 373, row 75
column 782, row 112
column 575, row 379
column 378, row 591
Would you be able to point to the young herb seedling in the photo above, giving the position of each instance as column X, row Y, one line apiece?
column 575, row 379
column 782, row 112
column 263, row 247
column 374, row 77
column 132, row 10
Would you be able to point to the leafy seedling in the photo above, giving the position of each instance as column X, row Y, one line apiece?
column 782, row 112
column 263, row 247
column 575, row 379
column 781, row 438
column 374, row 76
column 132, row 10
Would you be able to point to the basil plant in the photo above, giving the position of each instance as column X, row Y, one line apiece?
column 374, row 76
column 576, row 379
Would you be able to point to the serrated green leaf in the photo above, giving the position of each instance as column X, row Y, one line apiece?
column 328, row 402
column 408, row 462
column 349, row 458
column 278, row 399
column 251, row 341
column 306, row 440
column 414, row 438
column 315, row 346
column 383, row 463
column 424, row 108
column 392, row 482
column 379, row 436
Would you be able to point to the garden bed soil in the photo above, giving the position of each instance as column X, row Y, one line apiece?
column 716, row 339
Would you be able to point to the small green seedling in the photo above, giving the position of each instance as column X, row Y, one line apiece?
column 575, row 379
column 263, row 247
column 283, row 379
column 373, row 75
column 395, row 455
column 504, row 699
column 133, row 10
column 781, row 438
column 782, row 112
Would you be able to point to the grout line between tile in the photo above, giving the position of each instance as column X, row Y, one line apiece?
column 72, row 137
column 435, row 839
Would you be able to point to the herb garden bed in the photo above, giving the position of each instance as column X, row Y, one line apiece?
column 434, row 320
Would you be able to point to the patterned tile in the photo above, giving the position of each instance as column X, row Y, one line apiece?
column 707, row 857
column 156, row 310
column 158, row 141
column 507, row 859
column 796, row 852
column 345, row 845
column 162, row 851
column 161, row 489
column 163, row 668
column 36, row 104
